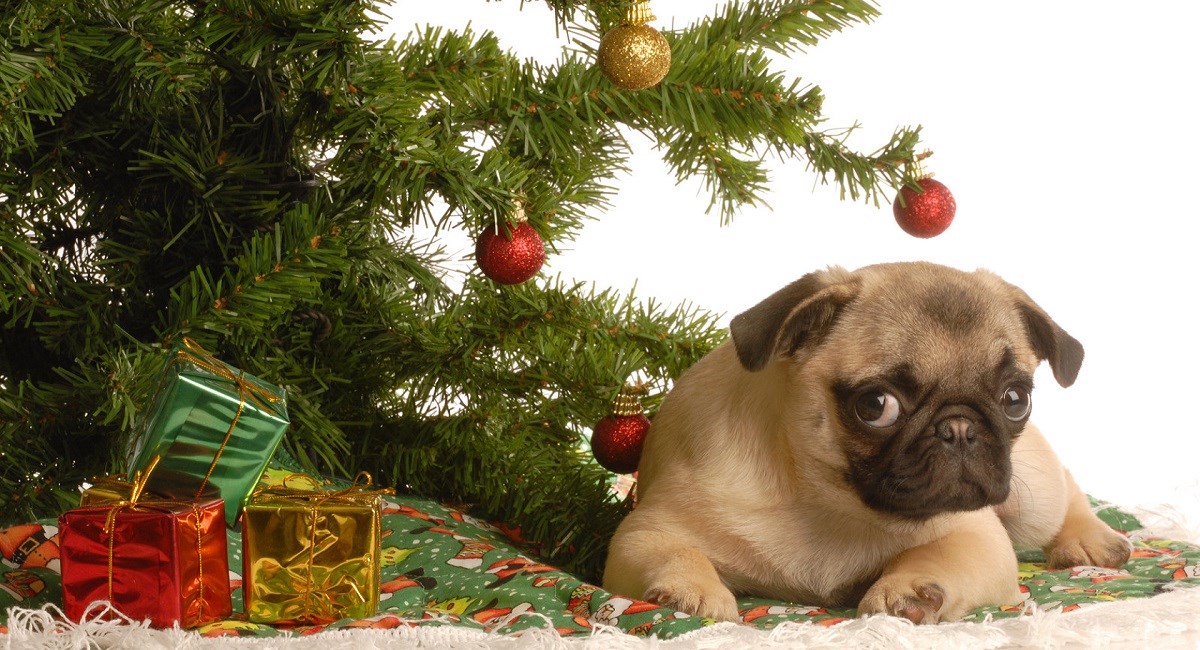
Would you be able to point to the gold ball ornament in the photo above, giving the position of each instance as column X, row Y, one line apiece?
column 634, row 55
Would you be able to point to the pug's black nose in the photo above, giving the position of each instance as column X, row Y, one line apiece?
column 956, row 430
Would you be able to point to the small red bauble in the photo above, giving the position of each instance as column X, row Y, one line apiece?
column 924, row 214
column 510, row 261
column 617, row 441
column 618, row 437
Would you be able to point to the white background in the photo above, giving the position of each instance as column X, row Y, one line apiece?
column 1066, row 131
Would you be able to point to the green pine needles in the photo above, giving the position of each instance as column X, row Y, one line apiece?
column 249, row 173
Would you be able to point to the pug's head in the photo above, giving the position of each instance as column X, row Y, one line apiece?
column 921, row 375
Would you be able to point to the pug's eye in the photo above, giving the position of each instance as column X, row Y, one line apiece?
column 876, row 408
column 1016, row 403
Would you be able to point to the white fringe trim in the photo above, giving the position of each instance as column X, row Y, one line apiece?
column 1169, row 620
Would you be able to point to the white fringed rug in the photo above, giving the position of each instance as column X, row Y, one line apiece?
column 1170, row 620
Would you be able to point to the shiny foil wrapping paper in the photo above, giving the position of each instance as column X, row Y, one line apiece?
column 311, row 558
column 169, row 561
column 108, row 490
column 211, row 424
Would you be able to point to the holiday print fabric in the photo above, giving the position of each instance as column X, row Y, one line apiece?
column 441, row 566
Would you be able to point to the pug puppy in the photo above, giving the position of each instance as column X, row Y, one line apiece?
column 864, row 438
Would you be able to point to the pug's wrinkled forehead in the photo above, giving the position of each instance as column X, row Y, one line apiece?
column 963, row 328
column 913, row 309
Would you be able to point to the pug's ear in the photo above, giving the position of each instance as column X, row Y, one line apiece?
column 796, row 316
column 1049, row 341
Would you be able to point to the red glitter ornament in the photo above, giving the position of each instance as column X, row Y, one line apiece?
column 924, row 214
column 617, row 438
column 510, row 259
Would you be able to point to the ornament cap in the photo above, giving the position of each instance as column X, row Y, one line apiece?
column 518, row 215
column 629, row 400
column 512, row 221
column 918, row 166
column 639, row 13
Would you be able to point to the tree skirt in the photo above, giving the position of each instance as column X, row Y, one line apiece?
column 450, row 579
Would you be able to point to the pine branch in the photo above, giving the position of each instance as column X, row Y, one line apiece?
column 41, row 71
column 23, row 272
column 722, row 120
column 783, row 26
column 55, row 435
column 863, row 175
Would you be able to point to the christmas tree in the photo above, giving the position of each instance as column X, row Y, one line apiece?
column 252, row 174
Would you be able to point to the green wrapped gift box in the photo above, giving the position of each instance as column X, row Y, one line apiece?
column 211, row 424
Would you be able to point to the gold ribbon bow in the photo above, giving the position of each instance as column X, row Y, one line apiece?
column 264, row 399
column 137, row 489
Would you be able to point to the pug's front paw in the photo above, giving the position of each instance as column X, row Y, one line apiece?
column 694, row 595
column 1088, row 543
column 920, row 601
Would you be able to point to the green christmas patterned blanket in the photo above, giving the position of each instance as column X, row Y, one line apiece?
column 442, row 567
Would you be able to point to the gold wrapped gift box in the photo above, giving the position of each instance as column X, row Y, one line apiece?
column 311, row 556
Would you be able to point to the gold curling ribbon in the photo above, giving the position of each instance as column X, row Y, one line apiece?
column 315, row 500
column 140, row 479
column 199, row 357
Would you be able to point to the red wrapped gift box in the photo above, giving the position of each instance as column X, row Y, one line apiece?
column 162, row 560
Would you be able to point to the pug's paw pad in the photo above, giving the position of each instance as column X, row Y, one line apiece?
column 682, row 594
column 919, row 602
column 1092, row 545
